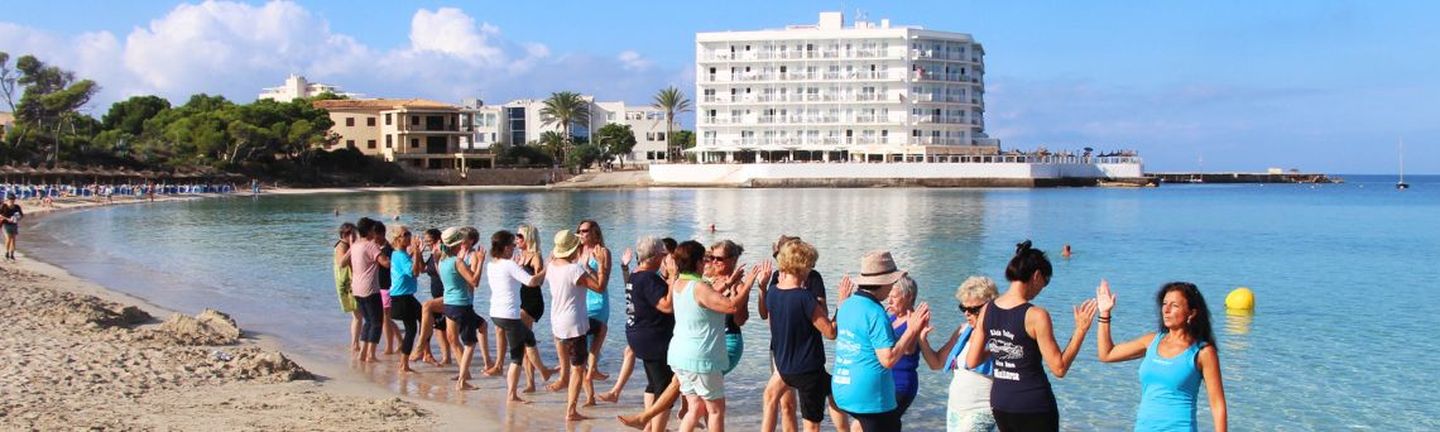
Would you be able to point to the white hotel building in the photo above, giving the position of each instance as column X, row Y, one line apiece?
column 519, row 122
column 827, row 92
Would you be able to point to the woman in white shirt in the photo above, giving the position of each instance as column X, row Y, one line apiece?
column 505, row 278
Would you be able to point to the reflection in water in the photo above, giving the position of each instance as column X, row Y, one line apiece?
column 1237, row 326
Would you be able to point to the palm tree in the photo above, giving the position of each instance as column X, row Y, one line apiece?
column 672, row 101
column 565, row 108
column 553, row 143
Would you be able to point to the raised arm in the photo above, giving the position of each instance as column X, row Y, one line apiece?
column 469, row 272
column 1104, row 346
column 934, row 358
column 978, row 351
column 1037, row 322
column 719, row 302
column 821, row 319
column 417, row 261
column 602, row 255
column 762, row 270
column 625, row 265
column 1209, row 361
column 917, row 321
column 342, row 254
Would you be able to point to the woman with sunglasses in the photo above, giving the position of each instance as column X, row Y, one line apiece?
column 968, row 406
column 596, row 258
column 1174, row 360
column 898, row 307
column 1021, row 338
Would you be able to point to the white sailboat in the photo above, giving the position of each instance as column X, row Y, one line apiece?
column 1401, row 185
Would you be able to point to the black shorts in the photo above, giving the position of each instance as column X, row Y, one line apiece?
column 532, row 302
column 886, row 421
column 468, row 321
column 579, row 350
column 1041, row 421
column 811, row 388
column 517, row 337
column 439, row 321
column 404, row 308
column 659, row 375
column 11, row 229
column 595, row 326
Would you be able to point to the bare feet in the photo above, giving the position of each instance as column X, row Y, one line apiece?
column 406, row 370
column 599, row 376
column 589, row 402
column 609, row 396
column 575, row 416
column 529, row 389
column 464, row 386
column 631, row 421
column 547, row 373
column 517, row 399
column 557, row 386
column 495, row 371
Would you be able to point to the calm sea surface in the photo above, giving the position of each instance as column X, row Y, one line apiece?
column 1340, row 339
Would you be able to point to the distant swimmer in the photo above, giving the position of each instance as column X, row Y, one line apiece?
column 712, row 227
column 1065, row 251
column 337, row 212
column 397, row 217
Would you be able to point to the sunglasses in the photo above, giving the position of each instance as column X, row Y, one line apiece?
column 582, row 230
column 971, row 310
column 712, row 258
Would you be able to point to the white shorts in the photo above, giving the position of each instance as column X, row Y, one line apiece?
column 708, row 386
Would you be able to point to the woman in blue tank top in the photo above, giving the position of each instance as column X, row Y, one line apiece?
column 1176, row 359
column 1019, row 337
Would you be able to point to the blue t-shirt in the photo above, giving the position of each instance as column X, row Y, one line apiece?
column 402, row 281
column 646, row 328
column 457, row 290
column 797, row 345
column 861, row 384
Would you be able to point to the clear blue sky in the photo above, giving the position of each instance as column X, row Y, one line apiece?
column 1316, row 85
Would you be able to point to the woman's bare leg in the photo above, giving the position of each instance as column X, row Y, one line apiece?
column 392, row 333
column 595, row 357
column 627, row 368
column 355, row 323
column 561, row 351
column 500, row 353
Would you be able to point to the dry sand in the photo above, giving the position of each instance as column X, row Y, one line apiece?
column 74, row 361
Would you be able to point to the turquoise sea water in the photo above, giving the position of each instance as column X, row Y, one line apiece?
column 1339, row 341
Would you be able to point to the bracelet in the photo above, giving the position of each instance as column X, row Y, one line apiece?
column 1104, row 320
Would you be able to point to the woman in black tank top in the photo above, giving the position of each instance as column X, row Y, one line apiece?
column 532, row 302
column 1020, row 338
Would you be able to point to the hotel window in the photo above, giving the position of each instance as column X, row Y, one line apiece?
column 389, row 142
column 659, row 136
column 414, row 120
column 387, row 119
column 371, row 144
column 415, row 142
column 370, row 121
column 351, row 143
column 349, row 121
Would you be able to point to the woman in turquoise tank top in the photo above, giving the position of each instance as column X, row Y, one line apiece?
column 595, row 257
column 1176, row 359
column 697, row 351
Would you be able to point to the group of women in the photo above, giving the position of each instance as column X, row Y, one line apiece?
column 686, row 304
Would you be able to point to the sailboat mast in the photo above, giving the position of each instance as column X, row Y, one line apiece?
column 1402, row 160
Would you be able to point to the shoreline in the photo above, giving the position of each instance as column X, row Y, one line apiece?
column 307, row 392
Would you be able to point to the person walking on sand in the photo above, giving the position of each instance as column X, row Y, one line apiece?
column 462, row 323
column 1174, row 360
column 1020, row 338
column 405, row 267
column 596, row 258
column 799, row 325
column 10, row 215
column 697, row 351
column 432, row 317
column 967, row 408
column 532, row 301
column 505, row 279
column 343, row 277
column 866, row 348
column 365, row 262
column 569, row 282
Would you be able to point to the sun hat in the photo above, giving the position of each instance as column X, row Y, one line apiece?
column 565, row 243
column 452, row 236
column 878, row 268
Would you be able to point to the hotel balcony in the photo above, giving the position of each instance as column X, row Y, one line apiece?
column 771, row 56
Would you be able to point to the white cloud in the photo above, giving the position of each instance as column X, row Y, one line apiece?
column 235, row 49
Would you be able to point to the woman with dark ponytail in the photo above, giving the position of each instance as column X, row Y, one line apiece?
column 1020, row 336
column 1176, row 358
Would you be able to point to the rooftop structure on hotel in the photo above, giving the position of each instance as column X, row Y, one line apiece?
column 297, row 86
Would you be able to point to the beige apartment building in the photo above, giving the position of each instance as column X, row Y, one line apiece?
column 417, row 134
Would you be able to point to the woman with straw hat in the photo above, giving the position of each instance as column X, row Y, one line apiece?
column 867, row 349
column 569, row 283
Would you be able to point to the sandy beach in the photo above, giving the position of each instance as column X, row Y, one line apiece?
column 83, row 357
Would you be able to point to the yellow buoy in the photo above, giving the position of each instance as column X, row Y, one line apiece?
column 1241, row 298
